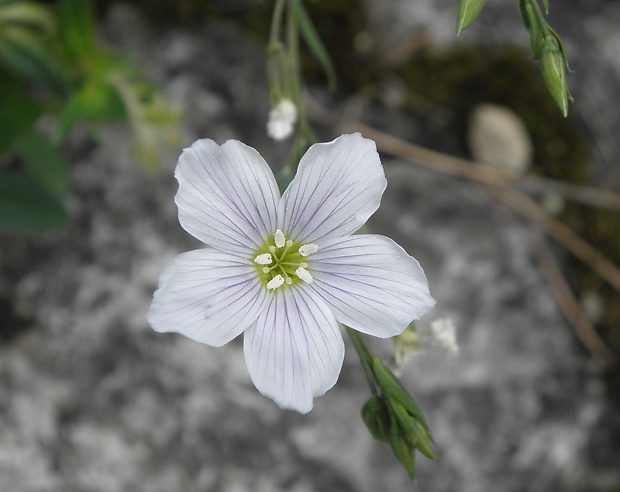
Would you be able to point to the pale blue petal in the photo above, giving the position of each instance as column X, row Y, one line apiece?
column 208, row 296
column 338, row 186
column 370, row 283
column 227, row 195
column 295, row 350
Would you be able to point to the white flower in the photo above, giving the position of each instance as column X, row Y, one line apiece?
column 282, row 120
column 286, row 271
column 444, row 335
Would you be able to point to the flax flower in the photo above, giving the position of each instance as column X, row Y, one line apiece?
column 286, row 271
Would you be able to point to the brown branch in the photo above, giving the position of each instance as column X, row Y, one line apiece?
column 486, row 174
column 569, row 305
column 569, row 239
column 498, row 181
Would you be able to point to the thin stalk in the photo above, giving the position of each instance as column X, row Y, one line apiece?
column 363, row 352
column 276, row 21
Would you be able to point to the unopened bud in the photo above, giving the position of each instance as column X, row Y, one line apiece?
column 553, row 66
column 377, row 418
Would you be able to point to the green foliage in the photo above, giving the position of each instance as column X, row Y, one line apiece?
column 54, row 50
column 313, row 40
column 468, row 11
column 26, row 206
column 545, row 43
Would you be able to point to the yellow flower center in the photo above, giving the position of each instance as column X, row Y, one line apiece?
column 282, row 262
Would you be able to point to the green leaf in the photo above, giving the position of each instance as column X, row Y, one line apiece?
column 44, row 163
column 23, row 53
column 27, row 14
column 468, row 11
column 17, row 112
column 26, row 206
column 314, row 42
column 93, row 102
column 77, row 26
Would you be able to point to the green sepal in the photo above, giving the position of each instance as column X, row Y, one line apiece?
column 413, row 431
column 536, row 25
column 376, row 416
column 394, row 389
column 403, row 450
column 468, row 11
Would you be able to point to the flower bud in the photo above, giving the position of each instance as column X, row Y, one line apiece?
column 377, row 418
column 553, row 66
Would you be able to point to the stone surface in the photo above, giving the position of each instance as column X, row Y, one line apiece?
column 92, row 400
column 498, row 137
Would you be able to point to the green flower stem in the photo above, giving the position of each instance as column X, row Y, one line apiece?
column 276, row 21
column 365, row 355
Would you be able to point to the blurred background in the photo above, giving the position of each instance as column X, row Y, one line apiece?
column 97, row 100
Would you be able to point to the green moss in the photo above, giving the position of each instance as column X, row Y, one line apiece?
column 459, row 79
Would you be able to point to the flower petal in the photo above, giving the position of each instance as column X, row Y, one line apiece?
column 338, row 185
column 227, row 195
column 295, row 350
column 208, row 296
column 370, row 283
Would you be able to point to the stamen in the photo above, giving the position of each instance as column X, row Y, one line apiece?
column 275, row 282
column 303, row 274
column 289, row 280
column 266, row 269
column 272, row 249
column 303, row 264
column 279, row 238
column 308, row 249
column 264, row 259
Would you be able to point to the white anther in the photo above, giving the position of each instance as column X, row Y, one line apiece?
column 275, row 282
column 308, row 249
column 279, row 238
column 303, row 274
column 264, row 259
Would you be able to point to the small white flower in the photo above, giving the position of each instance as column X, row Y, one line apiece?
column 282, row 119
column 286, row 270
column 444, row 335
